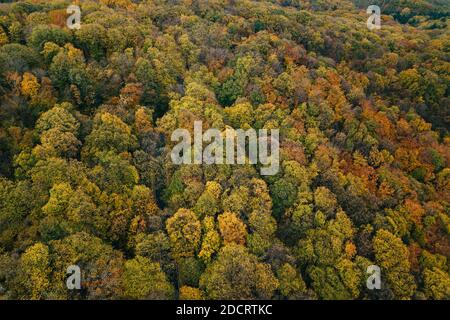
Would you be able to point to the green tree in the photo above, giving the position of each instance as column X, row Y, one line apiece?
column 92, row 38
column 211, row 240
column 184, row 232
column 114, row 173
column 144, row 279
column 236, row 274
column 101, row 267
column 60, row 118
column 35, row 271
column 392, row 256
column 110, row 133
column 292, row 285
column 45, row 33
column 436, row 284
column 208, row 204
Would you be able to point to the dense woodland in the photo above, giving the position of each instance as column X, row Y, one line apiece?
column 86, row 177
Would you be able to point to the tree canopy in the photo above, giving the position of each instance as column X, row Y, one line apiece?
column 86, row 177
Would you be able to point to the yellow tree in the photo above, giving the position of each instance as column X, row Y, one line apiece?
column 29, row 85
column 35, row 270
column 232, row 229
column 184, row 233
column 392, row 256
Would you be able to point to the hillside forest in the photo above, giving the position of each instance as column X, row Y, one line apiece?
column 86, row 179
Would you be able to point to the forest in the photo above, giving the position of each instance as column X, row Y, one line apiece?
column 86, row 117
